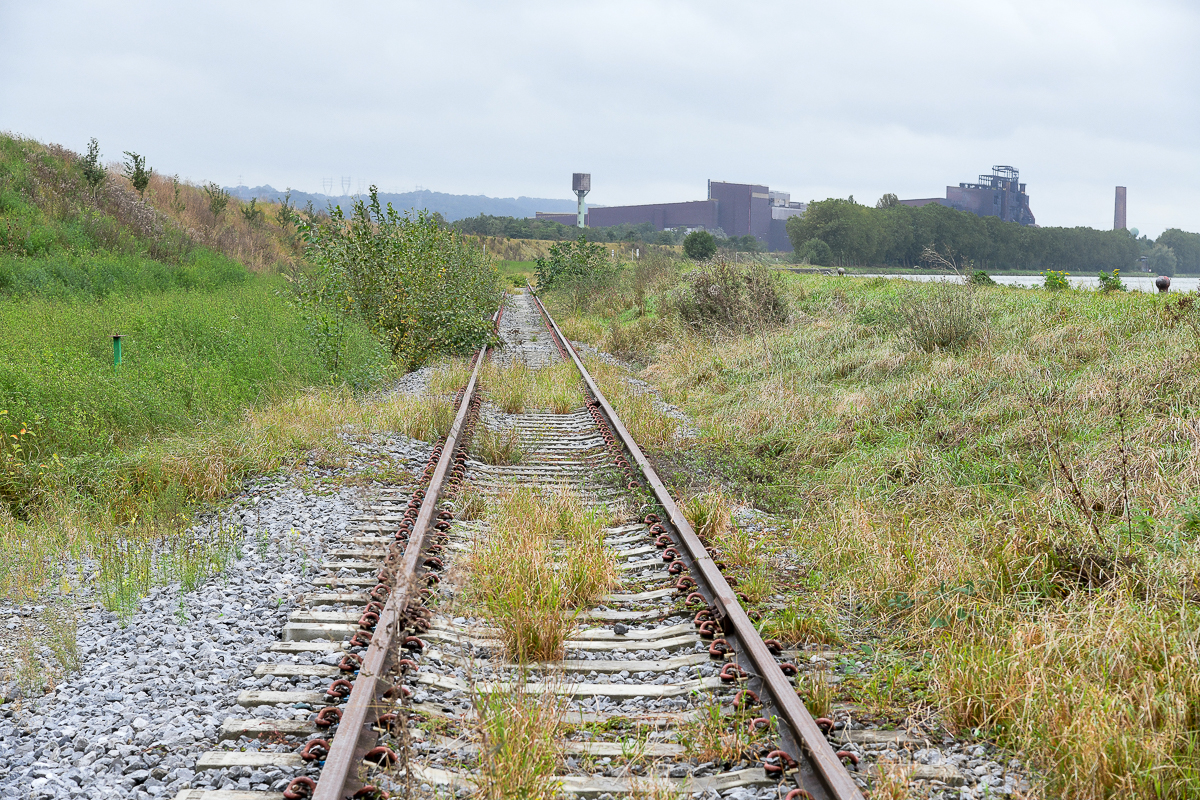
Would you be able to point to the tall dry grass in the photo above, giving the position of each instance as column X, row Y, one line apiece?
column 540, row 561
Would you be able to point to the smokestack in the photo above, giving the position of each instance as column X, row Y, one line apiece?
column 1119, row 211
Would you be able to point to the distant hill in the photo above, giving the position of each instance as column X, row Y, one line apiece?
column 450, row 206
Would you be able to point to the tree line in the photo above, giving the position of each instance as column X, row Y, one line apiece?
column 843, row 233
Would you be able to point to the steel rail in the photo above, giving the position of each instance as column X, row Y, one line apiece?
column 355, row 735
column 827, row 766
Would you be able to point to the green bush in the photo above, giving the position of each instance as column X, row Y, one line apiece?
column 570, row 261
column 980, row 278
column 699, row 245
column 1111, row 283
column 1055, row 280
column 731, row 297
column 815, row 252
column 418, row 285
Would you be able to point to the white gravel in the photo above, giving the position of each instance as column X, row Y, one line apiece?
column 151, row 696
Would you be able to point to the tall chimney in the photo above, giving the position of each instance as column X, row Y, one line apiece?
column 1119, row 211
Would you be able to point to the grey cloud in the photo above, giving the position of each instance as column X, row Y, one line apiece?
column 507, row 99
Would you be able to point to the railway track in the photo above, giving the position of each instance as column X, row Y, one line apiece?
column 373, row 682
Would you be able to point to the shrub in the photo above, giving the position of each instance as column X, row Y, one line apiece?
column 981, row 278
column 699, row 245
column 815, row 252
column 1111, row 283
column 218, row 198
column 568, row 261
column 731, row 297
column 419, row 286
column 1056, row 280
column 942, row 317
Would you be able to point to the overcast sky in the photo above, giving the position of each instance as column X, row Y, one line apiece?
column 816, row 98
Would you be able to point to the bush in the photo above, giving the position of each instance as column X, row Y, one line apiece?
column 1056, row 280
column 815, row 252
column 1111, row 283
column 941, row 317
column 730, row 297
column 699, row 245
column 418, row 285
column 981, row 278
column 569, row 261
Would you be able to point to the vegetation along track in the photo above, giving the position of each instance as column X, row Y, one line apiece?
column 659, row 685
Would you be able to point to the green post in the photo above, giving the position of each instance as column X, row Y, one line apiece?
column 116, row 349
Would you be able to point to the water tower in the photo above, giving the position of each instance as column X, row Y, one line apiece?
column 581, row 184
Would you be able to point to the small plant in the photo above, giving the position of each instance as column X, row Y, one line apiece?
column 571, row 261
column 218, row 199
column 29, row 672
column 177, row 202
column 520, row 734
column 797, row 622
column 817, row 693
column 63, row 641
column 710, row 514
column 1055, row 280
column 93, row 171
column 980, row 278
column 529, row 591
column 715, row 736
column 1111, row 283
column 735, row 298
column 498, row 447
column 135, row 170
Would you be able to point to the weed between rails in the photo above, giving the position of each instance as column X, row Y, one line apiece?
column 500, row 447
column 713, row 736
column 520, row 742
column 542, row 559
column 517, row 388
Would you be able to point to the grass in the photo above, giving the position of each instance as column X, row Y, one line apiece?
column 499, row 447
column 520, row 743
column 516, row 388
column 517, row 273
column 1017, row 503
column 713, row 736
column 542, row 559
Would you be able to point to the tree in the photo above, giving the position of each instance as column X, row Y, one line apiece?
column 852, row 231
column 1162, row 260
column 815, row 252
column 889, row 200
column 93, row 172
column 218, row 198
column 699, row 245
column 135, row 170
column 1186, row 247
column 252, row 213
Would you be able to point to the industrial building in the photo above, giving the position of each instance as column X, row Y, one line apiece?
column 736, row 209
column 1000, row 194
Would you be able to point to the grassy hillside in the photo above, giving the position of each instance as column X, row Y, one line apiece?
column 90, row 448
column 999, row 485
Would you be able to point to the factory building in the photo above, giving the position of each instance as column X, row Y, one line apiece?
column 736, row 209
column 1000, row 194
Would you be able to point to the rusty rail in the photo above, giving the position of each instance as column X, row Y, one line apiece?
column 355, row 735
column 808, row 741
